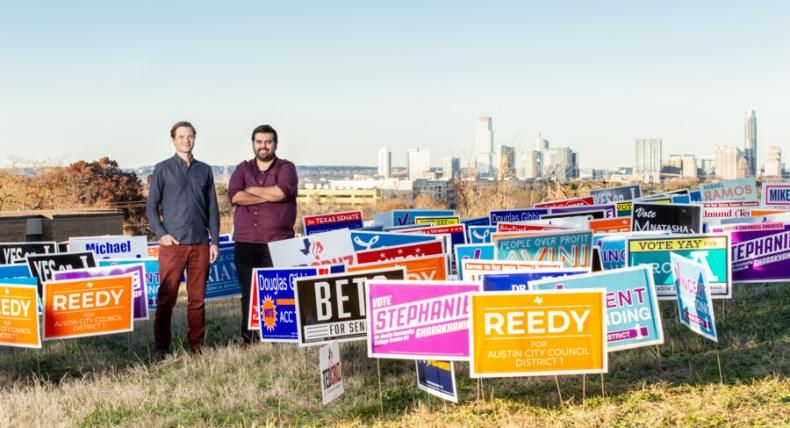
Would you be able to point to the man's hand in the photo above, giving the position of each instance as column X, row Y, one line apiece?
column 213, row 253
column 167, row 240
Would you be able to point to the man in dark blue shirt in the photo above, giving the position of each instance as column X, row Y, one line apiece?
column 182, row 211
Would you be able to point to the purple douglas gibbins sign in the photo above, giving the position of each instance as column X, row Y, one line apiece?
column 419, row 320
column 760, row 251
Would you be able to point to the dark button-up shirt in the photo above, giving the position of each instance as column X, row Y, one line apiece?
column 185, row 196
column 268, row 221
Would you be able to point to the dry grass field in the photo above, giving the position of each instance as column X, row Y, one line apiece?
column 114, row 381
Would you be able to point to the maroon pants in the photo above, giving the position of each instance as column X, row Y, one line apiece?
column 172, row 261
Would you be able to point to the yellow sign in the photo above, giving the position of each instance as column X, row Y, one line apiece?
column 438, row 221
column 677, row 244
column 537, row 333
column 19, row 324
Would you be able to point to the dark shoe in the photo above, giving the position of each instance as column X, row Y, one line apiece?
column 161, row 356
column 196, row 350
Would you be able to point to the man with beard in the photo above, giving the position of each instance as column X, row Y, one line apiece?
column 263, row 192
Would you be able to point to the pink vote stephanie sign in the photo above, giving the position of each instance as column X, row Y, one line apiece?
column 419, row 319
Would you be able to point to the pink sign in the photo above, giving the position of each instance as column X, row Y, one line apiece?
column 419, row 319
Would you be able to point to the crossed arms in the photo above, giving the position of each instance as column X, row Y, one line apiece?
column 257, row 195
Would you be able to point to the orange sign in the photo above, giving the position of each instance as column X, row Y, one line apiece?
column 431, row 268
column 611, row 225
column 19, row 316
column 153, row 251
column 537, row 333
column 88, row 307
column 767, row 211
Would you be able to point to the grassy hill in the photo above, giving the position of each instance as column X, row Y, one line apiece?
column 113, row 380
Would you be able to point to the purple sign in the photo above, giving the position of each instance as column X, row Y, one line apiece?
column 609, row 210
column 139, row 294
column 760, row 252
column 419, row 319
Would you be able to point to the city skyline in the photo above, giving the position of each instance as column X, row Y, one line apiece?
column 93, row 79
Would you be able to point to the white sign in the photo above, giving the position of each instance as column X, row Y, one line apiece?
column 111, row 247
column 326, row 248
column 776, row 195
column 331, row 376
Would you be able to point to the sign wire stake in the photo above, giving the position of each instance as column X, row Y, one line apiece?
column 381, row 395
column 559, row 392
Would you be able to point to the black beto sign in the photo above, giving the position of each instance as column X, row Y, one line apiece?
column 332, row 307
column 43, row 266
column 616, row 194
column 673, row 218
column 15, row 252
column 590, row 215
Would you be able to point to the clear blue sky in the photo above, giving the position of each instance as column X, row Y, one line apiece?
column 80, row 80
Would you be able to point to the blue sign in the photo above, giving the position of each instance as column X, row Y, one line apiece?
column 519, row 281
column 695, row 306
column 383, row 219
column 632, row 316
column 276, row 302
column 223, row 281
column 612, row 251
column 525, row 214
column 151, row 274
column 472, row 251
column 437, row 378
column 404, row 217
column 480, row 234
column 695, row 196
column 14, row 271
column 476, row 221
column 371, row 240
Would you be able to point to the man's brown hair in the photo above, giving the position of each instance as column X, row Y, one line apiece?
column 183, row 123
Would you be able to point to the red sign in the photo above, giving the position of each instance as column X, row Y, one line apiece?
column 401, row 252
column 572, row 202
column 438, row 230
column 517, row 227
column 343, row 217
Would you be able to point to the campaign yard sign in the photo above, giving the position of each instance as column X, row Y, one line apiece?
column 404, row 217
column 624, row 208
column 612, row 252
column 137, row 270
column 741, row 189
column 776, row 195
column 326, row 222
column 401, row 252
column 19, row 323
column 611, row 225
column 760, row 252
column 457, row 232
column 151, row 282
column 476, row 221
column 419, row 319
column 586, row 214
column 324, row 248
column 331, row 373
column 110, row 247
column 711, row 251
column 14, row 270
column 537, row 333
column 44, row 266
column 277, row 303
column 88, row 307
column 573, row 249
column 520, row 280
column 609, row 210
column 15, row 252
column 473, row 269
column 572, row 202
column 473, row 252
column 616, row 194
column 505, row 226
column 480, row 234
column 438, row 220
column 674, row 218
column 695, row 306
column 714, row 212
column 369, row 240
column 223, row 280
column 632, row 316
column 517, row 215
column 430, row 268
column 437, row 378
column 332, row 307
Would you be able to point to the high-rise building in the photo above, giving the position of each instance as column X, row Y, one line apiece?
column 385, row 162
column 542, row 155
column 419, row 162
column 507, row 162
column 689, row 168
column 484, row 147
column 727, row 158
column 773, row 162
column 530, row 164
column 451, row 167
column 708, row 166
column 562, row 164
column 648, row 159
column 750, row 140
